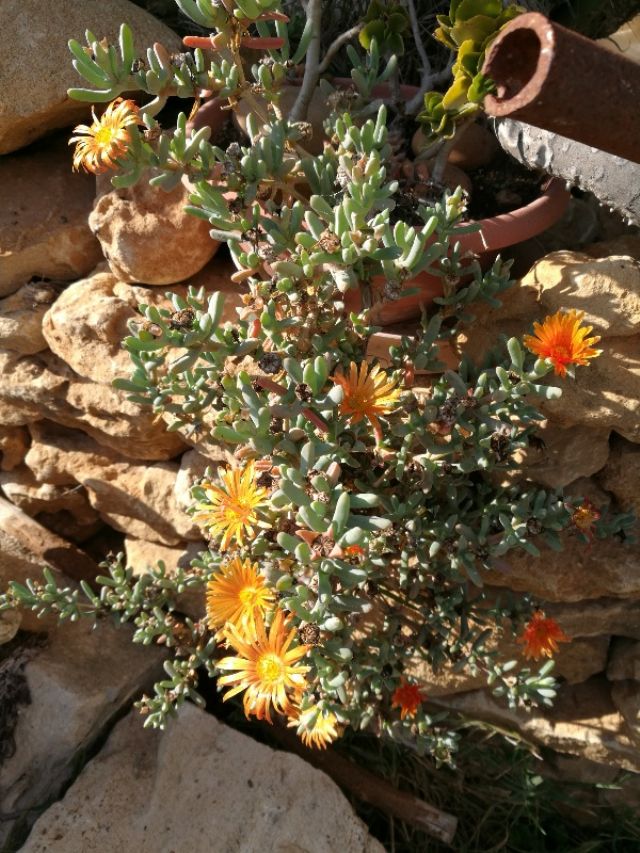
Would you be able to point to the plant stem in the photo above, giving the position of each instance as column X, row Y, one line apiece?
column 336, row 44
column 440, row 163
column 312, row 63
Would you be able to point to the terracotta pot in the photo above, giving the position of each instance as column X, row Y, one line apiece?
column 496, row 233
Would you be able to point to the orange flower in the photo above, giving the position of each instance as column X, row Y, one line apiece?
column 408, row 698
column 265, row 668
column 541, row 636
column 367, row 393
column 354, row 551
column 236, row 594
column 584, row 518
column 561, row 339
column 230, row 512
column 107, row 139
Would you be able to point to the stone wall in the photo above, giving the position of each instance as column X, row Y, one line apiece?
column 88, row 471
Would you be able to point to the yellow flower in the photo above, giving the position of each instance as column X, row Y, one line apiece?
column 265, row 668
column 237, row 594
column 315, row 727
column 561, row 339
column 230, row 512
column 367, row 393
column 108, row 138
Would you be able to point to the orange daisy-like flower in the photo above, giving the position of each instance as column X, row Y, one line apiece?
column 563, row 341
column 266, row 668
column 408, row 697
column 230, row 512
column 107, row 139
column 541, row 636
column 315, row 727
column 367, row 393
column 237, row 594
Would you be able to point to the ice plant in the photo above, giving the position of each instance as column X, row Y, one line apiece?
column 368, row 392
column 541, row 636
column 266, row 667
column 408, row 698
column 584, row 518
column 237, row 594
column 363, row 507
column 562, row 340
column 101, row 144
column 316, row 728
column 229, row 512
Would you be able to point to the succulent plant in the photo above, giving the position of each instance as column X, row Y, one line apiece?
column 385, row 23
column 468, row 30
column 365, row 506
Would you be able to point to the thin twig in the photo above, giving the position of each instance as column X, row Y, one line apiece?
column 372, row 789
column 415, row 29
column 337, row 44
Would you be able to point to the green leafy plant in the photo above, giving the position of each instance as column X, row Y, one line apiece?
column 468, row 30
column 349, row 540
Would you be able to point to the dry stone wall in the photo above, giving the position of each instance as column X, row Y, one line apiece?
column 87, row 472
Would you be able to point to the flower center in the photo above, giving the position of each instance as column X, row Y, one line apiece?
column 270, row 669
column 249, row 596
column 359, row 401
column 104, row 136
column 561, row 353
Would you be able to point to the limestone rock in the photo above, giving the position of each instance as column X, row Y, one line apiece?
column 142, row 555
column 606, row 395
column 583, row 721
column 43, row 386
column 602, row 616
column 14, row 443
column 575, row 662
column 621, row 475
column 624, row 244
column 137, row 499
column 77, row 683
column 43, row 218
column 21, row 315
column 148, row 237
column 626, row 698
column 606, row 289
column 34, row 93
column 22, row 489
column 9, row 624
column 60, row 456
column 624, row 660
column 569, row 453
column 234, row 794
column 87, row 324
column 606, row 568
column 26, row 546
column 140, row 501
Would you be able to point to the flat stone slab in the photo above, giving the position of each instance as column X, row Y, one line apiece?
column 198, row 786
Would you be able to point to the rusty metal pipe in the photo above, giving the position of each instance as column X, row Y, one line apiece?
column 556, row 79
